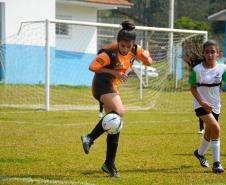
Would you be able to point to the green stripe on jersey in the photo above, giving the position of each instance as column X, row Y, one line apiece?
column 224, row 76
column 192, row 78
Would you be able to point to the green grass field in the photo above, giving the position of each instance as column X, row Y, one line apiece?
column 155, row 148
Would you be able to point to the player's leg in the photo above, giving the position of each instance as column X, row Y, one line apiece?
column 112, row 103
column 200, row 152
column 201, row 126
column 109, row 164
column 88, row 140
column 207, row 133
column 212, row 123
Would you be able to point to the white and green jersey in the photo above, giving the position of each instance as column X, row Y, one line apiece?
column 208, row 82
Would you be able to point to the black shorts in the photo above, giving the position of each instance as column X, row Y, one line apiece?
column 102, row 84
column 201, row 112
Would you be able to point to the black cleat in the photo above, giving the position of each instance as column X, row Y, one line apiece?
column 86, row 143
column 203, row 161
column 114, row 167
column 217, row 168
column 112, row 171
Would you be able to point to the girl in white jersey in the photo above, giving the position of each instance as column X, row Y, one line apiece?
column 205, row 80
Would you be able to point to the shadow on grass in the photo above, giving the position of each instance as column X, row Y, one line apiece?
column 183, row 169
column 91, row 172
column 158, row 170
column 177, row 133
column 150, row 170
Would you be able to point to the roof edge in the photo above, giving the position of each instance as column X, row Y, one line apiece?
column 220, row 16
column 98, row 5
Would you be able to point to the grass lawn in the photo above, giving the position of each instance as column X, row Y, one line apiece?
column 155, row 148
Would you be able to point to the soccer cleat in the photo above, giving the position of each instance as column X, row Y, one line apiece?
column 201, row 131
column 110, row 170
column 115, row 168
column 217, row 168
column 203, row 161
column 86, row 143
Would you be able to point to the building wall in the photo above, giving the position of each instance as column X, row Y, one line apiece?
column 17, row 11
column 88, row 35
column 24, row 53
column 74, row 52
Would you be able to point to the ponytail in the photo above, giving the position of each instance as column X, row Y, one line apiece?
column 127, row 32
column 192, row 52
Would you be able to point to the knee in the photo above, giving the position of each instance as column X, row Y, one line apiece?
column 216, row 131
column 120, row 112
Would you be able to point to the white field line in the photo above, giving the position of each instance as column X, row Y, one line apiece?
column 43, row 181
column 47, row 124
column 89, row 123
column 41, row 111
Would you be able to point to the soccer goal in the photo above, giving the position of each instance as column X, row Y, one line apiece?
column 45, row 66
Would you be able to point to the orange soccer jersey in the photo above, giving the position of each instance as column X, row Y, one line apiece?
column 121, row 63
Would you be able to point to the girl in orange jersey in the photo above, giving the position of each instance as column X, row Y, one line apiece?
column 110, row 66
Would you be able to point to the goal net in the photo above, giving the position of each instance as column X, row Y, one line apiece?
column 45, row 66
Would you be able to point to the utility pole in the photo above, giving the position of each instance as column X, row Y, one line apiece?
column 171, row 25
column 171, row 14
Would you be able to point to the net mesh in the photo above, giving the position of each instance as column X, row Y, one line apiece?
column 163, row 86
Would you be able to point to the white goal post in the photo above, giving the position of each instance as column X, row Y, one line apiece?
column 66, row 48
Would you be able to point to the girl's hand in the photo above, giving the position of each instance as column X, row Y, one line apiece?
column 147, row 58
column 207, row 106
column 146, row 54
column 121, row 76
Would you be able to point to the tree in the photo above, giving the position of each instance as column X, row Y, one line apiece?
column 187, row 23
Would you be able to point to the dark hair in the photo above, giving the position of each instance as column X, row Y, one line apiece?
column 210, row 43
column 127, row 32
column 193, row 51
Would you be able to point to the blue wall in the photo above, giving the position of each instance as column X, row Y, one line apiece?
column 25, row 64
column 178, row 62
column 2, row 59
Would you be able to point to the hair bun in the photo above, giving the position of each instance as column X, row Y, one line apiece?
column 126, row 25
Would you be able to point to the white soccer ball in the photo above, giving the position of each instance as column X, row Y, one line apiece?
column 112, row 123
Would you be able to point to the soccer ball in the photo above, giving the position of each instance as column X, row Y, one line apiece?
column 112, row 123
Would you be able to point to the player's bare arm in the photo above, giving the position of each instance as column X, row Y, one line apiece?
column 147, row 60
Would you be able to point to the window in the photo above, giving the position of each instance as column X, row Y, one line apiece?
column 63, row 29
